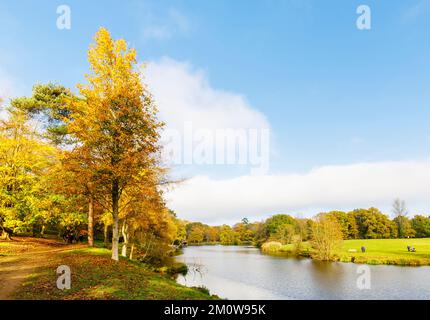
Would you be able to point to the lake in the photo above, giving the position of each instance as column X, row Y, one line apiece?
column 235, row 272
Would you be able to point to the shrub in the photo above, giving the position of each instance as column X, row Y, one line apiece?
column 271, row 246
column 202, row 289
column 178, row 268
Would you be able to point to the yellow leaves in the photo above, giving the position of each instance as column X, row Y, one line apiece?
column 100, row 54
column 26, row 162
column 112, row 65
column 21, row 148
column 116, row 119
column 106, row 218
column 116, row 131
column 120, row 47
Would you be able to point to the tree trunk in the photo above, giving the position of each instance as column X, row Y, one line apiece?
column 131, row 251
column 125, row 236
column 91, row 221
column 106, row 234
column 5, row 235
column 148, row 247
column 115, row 216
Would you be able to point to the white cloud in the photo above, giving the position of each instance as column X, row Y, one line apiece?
column 184, row 93
column 330, row 187
column 164, row 25
column 185, row 97
column 157, row 32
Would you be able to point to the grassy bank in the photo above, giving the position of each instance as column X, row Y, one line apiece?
column 94, row 275
column 378, row 251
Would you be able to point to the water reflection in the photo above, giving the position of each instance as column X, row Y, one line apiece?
column 245, row 273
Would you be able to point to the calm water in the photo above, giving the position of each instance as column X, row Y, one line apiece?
column 245, row 273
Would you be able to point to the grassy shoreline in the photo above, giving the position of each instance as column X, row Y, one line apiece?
column 378, row 251
column 94, row 276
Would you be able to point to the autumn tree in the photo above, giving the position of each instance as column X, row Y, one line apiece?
column 421, row 226
column 181, row 231
column 115, row 121
column 50, row 104
column 272, row 223
column 228, row 236
column 373, row 224
column 245, row 231
column 284, row 233
column 106, row 221
column 148, row 227
column 79, row 177
column 142, row 198
column 25, row 160
column 326, row 236
column 196, row 234
column 347, row 223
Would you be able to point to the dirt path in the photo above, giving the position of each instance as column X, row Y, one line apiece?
column 19, row 259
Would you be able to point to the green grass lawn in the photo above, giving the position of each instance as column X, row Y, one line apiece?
column 387, row 251
column 380, row 251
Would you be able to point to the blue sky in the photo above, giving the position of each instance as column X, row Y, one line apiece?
column 332, row 94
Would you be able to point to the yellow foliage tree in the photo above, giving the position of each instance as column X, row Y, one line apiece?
column 25, row 163
column 115, row 122
column 326, row 237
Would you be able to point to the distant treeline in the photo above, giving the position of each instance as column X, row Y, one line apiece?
column 357, row 224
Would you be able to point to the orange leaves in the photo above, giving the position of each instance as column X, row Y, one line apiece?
column 117, row 131
column 116, row 120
